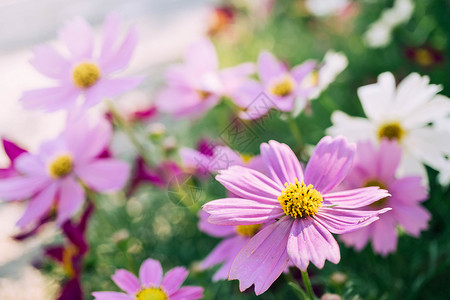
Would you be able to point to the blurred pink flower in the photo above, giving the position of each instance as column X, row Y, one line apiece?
column 151, row 284
column 279, row 87
column 234, row 239
column 303, row 210
column 286, row 90
column 83, row 72
column 197, row 85
column 210, row 158
column 377, row 167
column 52, row 176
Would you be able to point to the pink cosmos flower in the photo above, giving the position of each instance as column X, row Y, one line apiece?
column 304, row 210
column 197, row 85
column 377, row 167
column 279, row 87
column 210, row 158
column 286, row 90
column 55, row 175
column 151, row 284
column 83, row 72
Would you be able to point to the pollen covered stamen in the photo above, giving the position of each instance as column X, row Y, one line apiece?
column 391, row 131
column 299, row 200
column 151, row 294
column 85, row 75
column 375, row 182
column 283, row 87
column 248, row 230
column 61, row 166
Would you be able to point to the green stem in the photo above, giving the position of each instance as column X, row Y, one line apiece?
column 307, row 284
column 128, row 130
column 295, row 131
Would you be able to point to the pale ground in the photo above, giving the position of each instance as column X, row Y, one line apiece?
column 165, row 28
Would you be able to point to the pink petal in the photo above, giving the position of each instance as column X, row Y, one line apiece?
column 384, row 235
column 111, row 296
column 12, row 150
column 212, row 229
column 126, row 281
column 251, row 98
column 389, row 156
column 329, row 164
column 50, row 63
column 355, row 198
column 39, row 206
column 232, row 78
column 71, row 197
column 238, row 211
column 30, row 165
column 269, row 67
column 50, row 99
column 122, row 56
column 412, row 217
column 104, row 175
column 236, row 245
column 358, row 238
column 174, row 279
column 221, row 252
column 188, row 293
column 301, row 71
column 310, row 241
column 201, row 57
column 87, row 142
column 408, row 189
column 111, row 27
column 281, row 162
column 151, row 273
column 341, row 221
column 18, row 188
column 78, row 36
column 264, row 257
column 250, row 184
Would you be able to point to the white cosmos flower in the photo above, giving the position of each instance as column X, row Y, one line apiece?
column 379, row 32
column 322, row 8
column 406, row 113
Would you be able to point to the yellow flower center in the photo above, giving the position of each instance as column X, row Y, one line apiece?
column 283, row 87
column 376, row 182
column 299, row 200
column 246, row 158
column 424, row 57
column 85, row 75
column 391, row 131
column 248, row 230
column 61, row 166
column 203, row 94
column 151, row 294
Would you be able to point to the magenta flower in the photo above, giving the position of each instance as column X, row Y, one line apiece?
column 55, row 175
column 212, row 158
column 151, row 284
column 377, row 167
column 197, row 85
column 83, row 72
column 279, row 87
column 304, row 210
column 12, row 151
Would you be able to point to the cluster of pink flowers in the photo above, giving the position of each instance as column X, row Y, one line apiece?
column 362, row 182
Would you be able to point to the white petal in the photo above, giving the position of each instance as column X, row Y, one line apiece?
column 354, row 128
